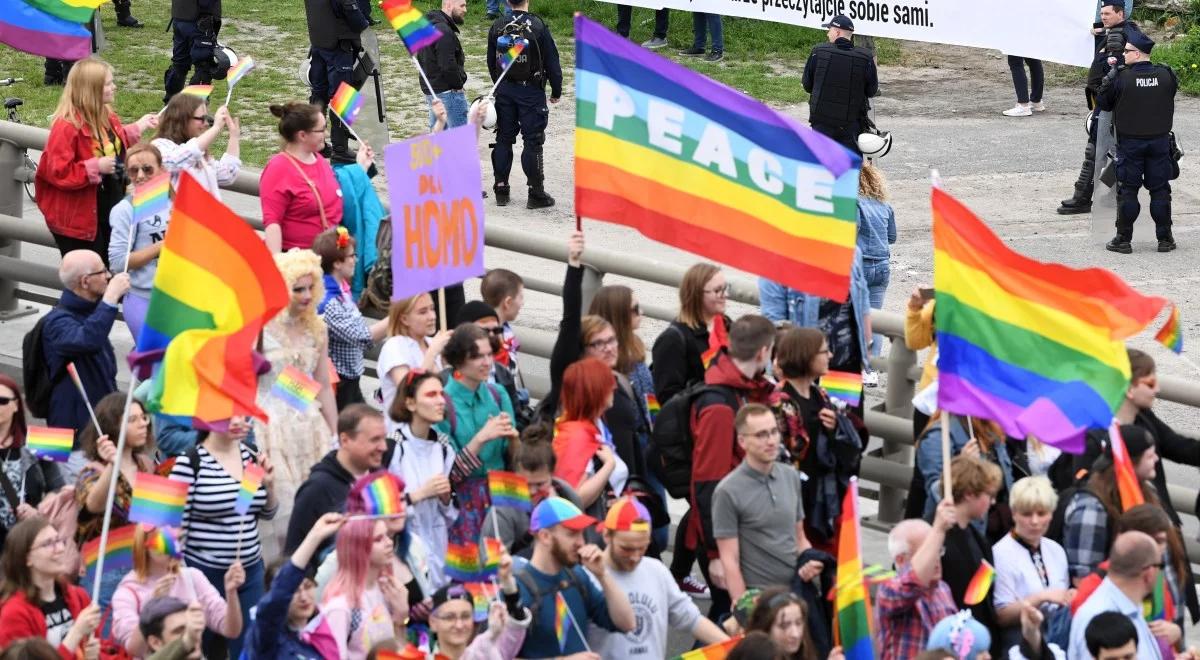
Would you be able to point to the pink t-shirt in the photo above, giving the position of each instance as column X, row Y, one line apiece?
column 288, row 201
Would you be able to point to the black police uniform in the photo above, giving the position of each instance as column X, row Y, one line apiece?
column 521, row 102
column 196, row 24
column 840, row 79
column 1142, row 100
column 1081, row 201
column 335, row 39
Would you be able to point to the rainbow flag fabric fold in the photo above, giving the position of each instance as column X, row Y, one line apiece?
column 482, row 595
column 152, row 197
column 462, row 562
column 980, row 584
column 158, row 501
column 347, row 102
column 216, row 286
column 414, row 29
column 32, row 30
column 296, row 388
column 50, row 443
column 73, row 11
column 851, row 602
column 1036, row 347
column 1171, row 334
column 509, row 489
column 844, row 386
column 492, row 550
column 1128, row 488
column 238, row 70
column 118, row 553
column 716, row 651
column 382, row 497
column 698, row 165
column 164, row 542
column 201, row 91
column 252, row 478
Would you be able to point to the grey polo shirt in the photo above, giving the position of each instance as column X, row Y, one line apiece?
column 761, row 512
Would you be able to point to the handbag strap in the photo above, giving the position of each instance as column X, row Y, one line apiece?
column 311, row 186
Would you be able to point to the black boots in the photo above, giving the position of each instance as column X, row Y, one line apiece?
column 538, row 199
column 1119, row 244
column 124, row 16
column 501, row 190
column 1081, row 201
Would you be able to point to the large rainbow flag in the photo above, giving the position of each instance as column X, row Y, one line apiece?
column 1037, row 347
column 693, row 163
column 851, row 603
column 215, row 288
column 48, row 28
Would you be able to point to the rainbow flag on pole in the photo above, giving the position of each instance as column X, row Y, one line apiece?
column 201, row 91
column 37, row 32
column 493, row 549
column 462, row 562
column 346, row 102
column 118, row 552
column 152, row 197
column 509, row 489
column 980, row 584
column 50, row 443
column 698, row 165
column 1128, row 487
column 72, row 11
column 843, row 385
column 562, row 614
column 252, row 478
column 1171, row 334
column 507, row 57
column 382, row 496
column 158, row 501
column 482, row 595
column 414, row 29
column 851, row 602
column 1036, row 347
column 238, row 70
column 296, row 388
column 216, row 286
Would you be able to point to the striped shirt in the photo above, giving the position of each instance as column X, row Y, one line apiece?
column 209, row 520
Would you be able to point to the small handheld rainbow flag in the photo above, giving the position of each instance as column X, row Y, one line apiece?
column 561, row 614
column 118, row 552
column 652, row 406
column 1160, row 605
column 382, row 496
column 492, row 550
column 238, row 70
column 52, row 443
column 507, row 57
column 346, row 103
column 980, row 584
column 252, row 478
column 1171, row 334
column 202, row 91
column 152, row 197
column 1128, row 487
column 716, row 651
column 296, row 388
column 414, row 29
column 509, row 489
column 844, row 386
column 158, row 501
column 462, row 562
column 482, row 594
column 164, row 541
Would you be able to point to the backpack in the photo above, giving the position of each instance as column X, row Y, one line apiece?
column 528, row 65
column 39, row 382
column 672, row 440
column 377, row 293
column 536, row 594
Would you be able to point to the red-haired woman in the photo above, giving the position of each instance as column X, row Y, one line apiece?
column 21, row 472
column 583, row 445
column 364, row 603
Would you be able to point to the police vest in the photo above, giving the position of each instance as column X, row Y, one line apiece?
column 528, row 65
column 326, row 29
column 1147, row 102
column 839, row 93
column 191, row 10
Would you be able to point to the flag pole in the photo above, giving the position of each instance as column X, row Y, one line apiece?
column 347, row 125
column 112, row 489
column 432, row 94
column 575, row 625
column 947, row 489
column 83, row 394
column 443, row 322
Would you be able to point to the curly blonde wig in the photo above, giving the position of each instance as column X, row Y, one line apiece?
column 293, row 265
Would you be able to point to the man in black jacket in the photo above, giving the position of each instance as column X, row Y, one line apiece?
column 362, row 441
column 335, row 37
column 443, row 63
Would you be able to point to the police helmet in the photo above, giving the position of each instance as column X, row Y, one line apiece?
column 302, row 71
column 489, row 120
column 875, row 145
column 1087, row 122
column 223, row 59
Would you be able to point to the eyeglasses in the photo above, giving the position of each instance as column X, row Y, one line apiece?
column 207, row 119
column 56, row 543
column 766, row 434
column 636, row 310
column 1160, row 565
column 105, row 272
column 497, row 331
column 719, row 292
column 601, row 344
column 148, row 170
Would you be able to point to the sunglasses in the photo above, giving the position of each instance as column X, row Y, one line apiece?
column 148, row 170
column 636, row 310
column 207, row 119
column 5, row 400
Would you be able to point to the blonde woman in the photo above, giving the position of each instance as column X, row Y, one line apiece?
column 295, row 440
column 79, row 178
column 412, row 344
column 876, row 233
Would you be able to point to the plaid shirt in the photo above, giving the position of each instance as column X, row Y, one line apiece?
column 1085, row 533
column 908, row 612
column 349, row 335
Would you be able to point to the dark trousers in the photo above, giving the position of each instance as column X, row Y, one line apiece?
column 99, row 245
column 847, row 135
column 1025, row 93
column 1144, row 162
column 520, row 109
column 662, row 19
column 347, row 392
column 190, row 47
column 330, row 68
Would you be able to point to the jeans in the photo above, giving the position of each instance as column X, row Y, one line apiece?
column 662, row 19
column 499, row 7
column 1025, row 93
column 248, row 596
column 702, row 25
column 1142, row 161
column 877, row 273
column 456, row 108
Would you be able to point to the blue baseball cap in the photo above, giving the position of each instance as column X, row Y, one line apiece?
column 558, row 511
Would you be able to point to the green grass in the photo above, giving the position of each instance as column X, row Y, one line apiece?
column 763, row 59
column 1182, row 55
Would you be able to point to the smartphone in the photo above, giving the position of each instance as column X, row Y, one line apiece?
column 927, row 294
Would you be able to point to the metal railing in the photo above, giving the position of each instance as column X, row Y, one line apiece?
column 890, row 467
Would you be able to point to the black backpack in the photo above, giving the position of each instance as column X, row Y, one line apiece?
column 672, row 440
column 39, row 382
column 528, row 65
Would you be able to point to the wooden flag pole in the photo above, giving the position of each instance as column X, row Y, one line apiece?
column 83, row 393
column 112, row 490
column 947, row 489
column 442, row 320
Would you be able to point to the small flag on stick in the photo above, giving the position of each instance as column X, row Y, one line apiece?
column 382, row 496
column 50, row 443
column 158, row 501
column 163, row 541
column 296, row 388
column 844, row 386
column 118, row 552
column 462, row 562
column 509, row 489
column 252, row 478
column 980, row 584
column 151, row 198
column 414, row 29
column 1171, row 334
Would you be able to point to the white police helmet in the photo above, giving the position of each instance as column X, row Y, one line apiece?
column 875, row 145
column 302, row 71
column 225, row 59
column 489, row 120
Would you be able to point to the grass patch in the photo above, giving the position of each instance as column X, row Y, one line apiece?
column 1182, row 55
column 763, row 59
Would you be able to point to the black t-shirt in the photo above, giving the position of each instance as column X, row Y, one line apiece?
column 58, row 617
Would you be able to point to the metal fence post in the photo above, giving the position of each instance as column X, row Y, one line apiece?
column 898, row 399
column 12, row 197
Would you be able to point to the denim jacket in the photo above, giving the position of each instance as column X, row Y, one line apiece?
column 780, row 303
column 876, row 229
column 929, row 460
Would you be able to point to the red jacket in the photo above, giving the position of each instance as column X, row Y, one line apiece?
column 69, row 174
column 20, row 619
column 716, row 452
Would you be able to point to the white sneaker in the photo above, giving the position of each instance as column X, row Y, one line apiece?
column 1038, row 107
column 870, row 378
column 1018, row 110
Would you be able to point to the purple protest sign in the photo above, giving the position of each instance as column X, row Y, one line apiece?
column 434, row 185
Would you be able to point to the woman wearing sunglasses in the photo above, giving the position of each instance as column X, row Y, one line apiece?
column 134, row 247
column 24, row 479
column 185, row 134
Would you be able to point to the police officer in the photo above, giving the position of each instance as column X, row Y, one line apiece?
column 521, row 100
column 840, row 79
column 1111, row 33
column 1141, row 97
column 335, row 40
column 196, row 24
